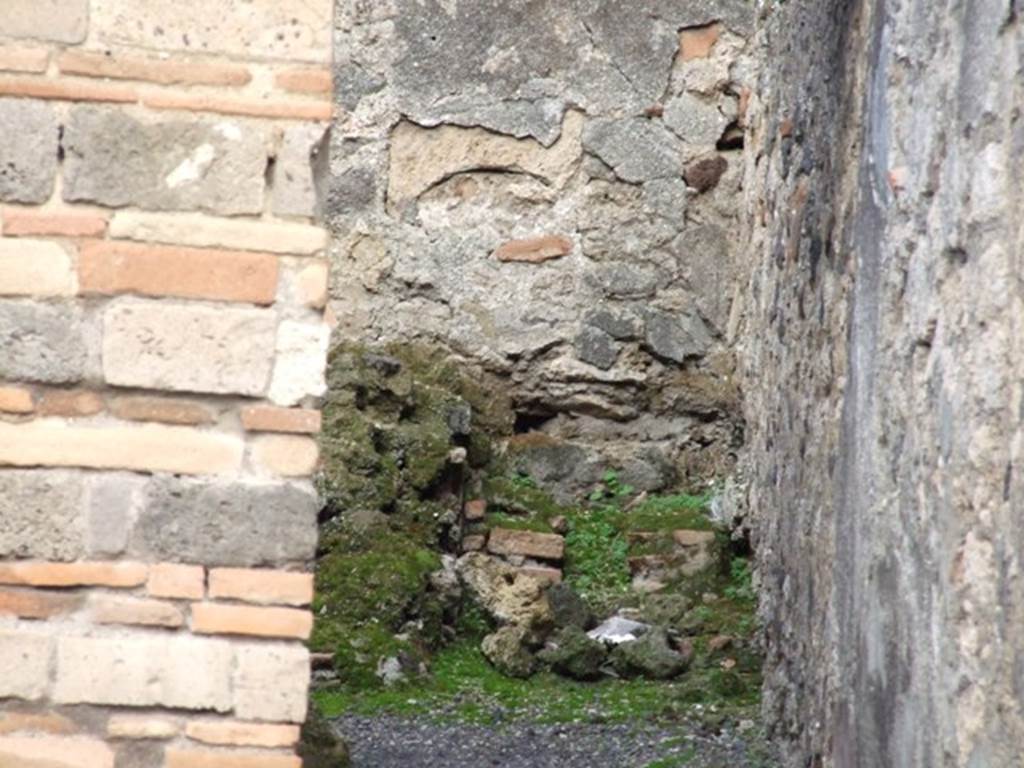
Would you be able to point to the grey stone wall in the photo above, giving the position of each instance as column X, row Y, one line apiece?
column 882, row 380
column 549, row 190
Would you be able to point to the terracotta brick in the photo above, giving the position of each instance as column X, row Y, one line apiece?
column 265, row 418
column 549, row 575
column 262, row 586
column 19, row 222
column 163, row 71
column 158, row 270
column 216, row 232
column 69, row 403
column 148, row 447
column 697, row 42
column 35, row 268
column 16, row 400
column 35, row 722
column 475, row 509
column 213, row 619
column 161, row 409
column 142, row 727
column 545, row 546
column 33, row 604
column 305, row 80
column 66, row 89
column 180, row 581
column 238, row 734
column 23, row 59
column 194, row 758
column 535, row 250
column 54, row 752
column 112, row 609
column 286, row 455
column 249, row 107
column 311, row 284
column 34, row 573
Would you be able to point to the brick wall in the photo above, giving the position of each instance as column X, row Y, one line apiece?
column 162, row 342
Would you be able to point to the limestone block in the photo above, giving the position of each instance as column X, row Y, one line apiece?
column 141, row 671
column 301, row 362
column 188, row 348
column 35, row 268
column 300, row 170
column 254, row 524
column 114, row 502
column 271, row 682
column 40, row 514
column 116, row 159
column 255, row 29
column 676, row 336
column 285, row 455
column 62, row 21
column 25, row 659
column 41, row 342
column 695, row 120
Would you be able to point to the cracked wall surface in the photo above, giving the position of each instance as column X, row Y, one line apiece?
column 882, row 380
column 549, row 191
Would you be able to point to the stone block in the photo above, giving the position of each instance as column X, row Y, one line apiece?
column 545, row 546
column 256, row 29
column 300, row 171
column 285, row 455
column 695, row 120
column 61, row 21
column 188, row 348
column 25, row 660
column 115, row 159
column 143, row 447
column 676, row 336
column 228, row 524
column 40, row 515
column 28, row 153
column 271, row 682
column 35, row 268
column 301, row 362
column 261, row 586
column 54, row 752
column 212, row 232
column 41, row 342
column 144, row 671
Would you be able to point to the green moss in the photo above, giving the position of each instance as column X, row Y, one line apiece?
column 670, row 513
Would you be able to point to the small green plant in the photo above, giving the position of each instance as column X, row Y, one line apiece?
column 611, row 488
column 742, row 580
column 597, row 553
column 520, row 480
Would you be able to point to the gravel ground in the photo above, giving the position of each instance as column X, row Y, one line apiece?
column 402, row 742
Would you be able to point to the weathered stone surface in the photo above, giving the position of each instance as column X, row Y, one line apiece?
column 545, row 546
column 637, row 150
column 271, row 682
column 649, row 656
column 55, row 752
column 114, row 501
column 300, row 171
column 116, row 159
column 571, row 653
column 188, row 348
column 596, row 347
column 300, row 362
column 254, row 524
column 507, row 650
column 423, row 157
column 41, row 342
column 212, row 232
column 676, row 337
column 617, row 324
column 695, row 120
column 509, row 596
column 155, row 670
column 28, row 156
column 40, row 515
column 568, row 608
column 25, row 662
column 62, row 21
column 258, row 29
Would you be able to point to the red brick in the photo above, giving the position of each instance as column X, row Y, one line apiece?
column 66, row 89
column 15, row 400
column 193, row 273
column 180, row 581
column 549, row 575
column 535, row 250
column 69, row 403
column 250, row 107
column 35, row 722
column 160, row 409
column 112, row 609
column 163, row 71
column 307, row 80
column 213, row 619
column 21, row 222
column 35, row 604
column 265, row 418
column 545, row 546
column 475, row 509
column 21, row 59
column 697, row 42
column 193, row 758
column 239, row 734
column 43, row 574
column 55, row 752
column 262, row 586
